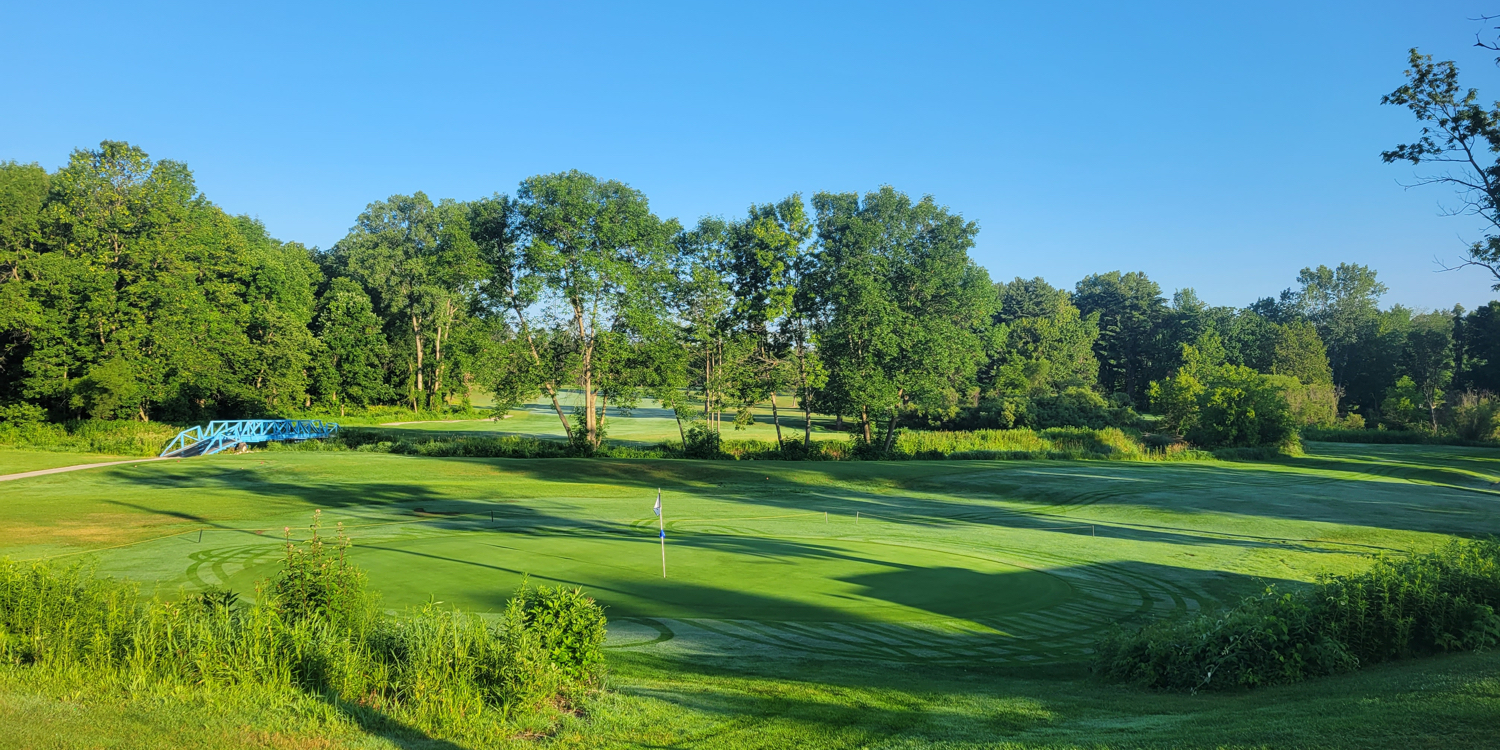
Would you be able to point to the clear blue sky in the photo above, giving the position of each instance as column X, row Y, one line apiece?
column 1220, row 146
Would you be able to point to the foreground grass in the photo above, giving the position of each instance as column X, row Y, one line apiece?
column 1437, row 703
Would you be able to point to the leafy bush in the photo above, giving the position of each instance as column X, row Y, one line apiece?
column 1316, row 404
column 700, row 442
column 569, row 627
column 1226, row 406
column 1073, row 407
column 1476, row 416
column 1077, row 407
column 22, row 415
column 1413, row 606
column 318, row 583
column 1402, row 407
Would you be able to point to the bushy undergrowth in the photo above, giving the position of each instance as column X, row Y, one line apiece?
column 1402, row 607
column 313, row 628
column 1054, row 443
column 1405, row 437
column 116, row 437
column 380, row 414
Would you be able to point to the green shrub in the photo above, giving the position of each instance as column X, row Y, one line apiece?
column 1073, row 407
column 1077, row 407
column 22, row 415
column 1476, row 416
column 700, row 442
column 569, row 626
column 1402, row 607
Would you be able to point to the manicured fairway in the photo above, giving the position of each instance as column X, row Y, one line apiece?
column 928, row 589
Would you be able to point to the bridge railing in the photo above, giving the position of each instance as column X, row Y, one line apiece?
column 221, row 434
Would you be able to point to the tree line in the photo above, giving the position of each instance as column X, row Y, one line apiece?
column 126, row 294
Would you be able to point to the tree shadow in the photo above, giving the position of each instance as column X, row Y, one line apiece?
column 386, row 727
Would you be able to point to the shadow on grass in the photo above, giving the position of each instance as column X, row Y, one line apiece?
column 382, row 725
column 1049, row 503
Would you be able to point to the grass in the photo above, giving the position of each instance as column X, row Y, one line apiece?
column 13, row 461
column 957, row 609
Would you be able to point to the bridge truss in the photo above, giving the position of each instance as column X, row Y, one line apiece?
column 222, row 435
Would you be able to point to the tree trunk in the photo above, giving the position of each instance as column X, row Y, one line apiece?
column 590, row 423
column 416, row 329
column 680, row 432
column 775, row 417
column 864, row 423
column 890, row 430
column 548, row 386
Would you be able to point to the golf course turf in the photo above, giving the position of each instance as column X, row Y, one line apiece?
column 824, row 604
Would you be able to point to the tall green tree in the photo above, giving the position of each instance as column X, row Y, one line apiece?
column 905, row 307
column 1477, row 349
column 763, row 258
column 1043, row 344
column 23, row 193
column 1428, row 360
column 422, row 268
column 352, row 347
column 139, row 298
column 1130, row 308
column 1343, row 303
column 601, row 260
column 1301, row 354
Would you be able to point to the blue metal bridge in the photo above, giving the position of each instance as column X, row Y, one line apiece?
column 223, row 435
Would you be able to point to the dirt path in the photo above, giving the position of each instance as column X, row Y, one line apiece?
column 61, row 469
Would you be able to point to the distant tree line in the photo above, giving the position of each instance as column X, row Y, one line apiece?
column 126, row 294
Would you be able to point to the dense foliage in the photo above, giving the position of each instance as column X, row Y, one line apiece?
column 126, row 295
column 314, row 627
column 1443, row 601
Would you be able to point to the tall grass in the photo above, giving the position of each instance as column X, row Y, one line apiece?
column 116, row 437
column 312, row 628
column 1402, row 607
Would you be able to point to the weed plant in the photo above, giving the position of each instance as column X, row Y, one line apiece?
column 1443, row 601
column 314, row 628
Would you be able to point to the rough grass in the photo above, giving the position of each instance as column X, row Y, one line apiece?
column 119, row 438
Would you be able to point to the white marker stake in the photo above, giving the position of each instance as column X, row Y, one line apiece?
column 661, row 525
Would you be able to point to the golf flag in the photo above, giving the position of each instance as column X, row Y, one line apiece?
column 661, row 524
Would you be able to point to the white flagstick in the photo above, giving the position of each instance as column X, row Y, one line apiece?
column 661, row 524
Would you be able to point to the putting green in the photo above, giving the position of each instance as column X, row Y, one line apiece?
column 821, row 580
